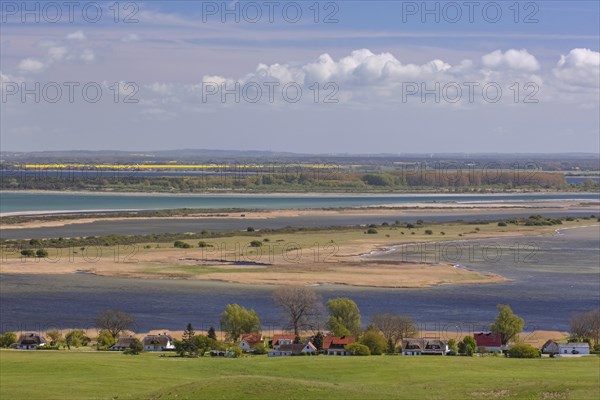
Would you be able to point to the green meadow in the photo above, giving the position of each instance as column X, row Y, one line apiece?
column 107, row 375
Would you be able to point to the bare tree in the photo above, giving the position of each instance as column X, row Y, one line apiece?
column 114, row 321
column 586, row 325
column 301, row 305
column 394, row 327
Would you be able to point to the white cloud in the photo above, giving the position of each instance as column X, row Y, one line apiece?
column 87, row 56
column 57, row 53
column 31, row 66
column 512, row 59
column 131, row 37
column 77, row 35
column 579, row 68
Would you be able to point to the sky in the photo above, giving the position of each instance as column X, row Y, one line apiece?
column 303, row 76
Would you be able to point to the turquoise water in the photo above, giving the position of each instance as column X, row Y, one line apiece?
column 14, row 202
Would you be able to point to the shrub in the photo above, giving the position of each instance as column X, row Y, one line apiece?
column 7, row 339
column 428, row 232
column 41, row 253
column 135, row 348
column 250, row 229
column 357, row 349
column 522, row 350
column 374, row 341
column 181, row 245
column 259, row 348
column 234, row 352
column 372, row 231
column 203, row 244
column 256, row 243
column 501, row 223
column 27, row 253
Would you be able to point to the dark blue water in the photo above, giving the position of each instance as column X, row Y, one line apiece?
column 562, row 277
column 30, row 201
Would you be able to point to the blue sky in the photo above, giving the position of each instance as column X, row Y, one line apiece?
column 376, row 63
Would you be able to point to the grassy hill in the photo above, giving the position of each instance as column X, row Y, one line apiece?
column 99, row 375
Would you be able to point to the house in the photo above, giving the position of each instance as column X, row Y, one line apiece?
column 249, row 340
column 573, row 349
column 491, row 341
column 424, row 346
column 282, row 339
column 292, row 349
column 550, row 347
column 336, row 345
column 30, row 341
column 158, row 342
column 123, row 343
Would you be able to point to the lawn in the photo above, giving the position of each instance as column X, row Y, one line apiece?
column 99, row 375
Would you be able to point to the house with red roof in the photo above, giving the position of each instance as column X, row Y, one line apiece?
column 298, row 349
column 249, row 340
column 491, row 341
column 336, row 345
column 280, row 339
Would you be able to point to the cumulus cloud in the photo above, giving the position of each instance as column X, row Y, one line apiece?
column 519, row 60
column 131, row 37
column 87, row 55
column 31, row 66
column 77, row 35
column 579, row 68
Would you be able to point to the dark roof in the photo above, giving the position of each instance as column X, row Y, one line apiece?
column 154, row 340
column 124, row 342
column 488, row 339
column 29, row 339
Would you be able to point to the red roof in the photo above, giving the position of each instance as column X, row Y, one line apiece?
column 337, row 341
column 277, row 338
column 252, row 338
column 488, row 339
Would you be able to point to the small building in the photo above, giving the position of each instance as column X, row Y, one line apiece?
column 424, row 346
column 573, row 349
column 336, row 345
column 30, row 341
column 282, row 339
column 286, row 350
column 158, row 342
column 123, row 343
column 250, row 340
column 550, row 347
column 491, row 341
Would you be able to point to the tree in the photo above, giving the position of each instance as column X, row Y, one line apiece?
column 394, row 328
column 507, row 324
column 317, row 341
column 135, row 348
column 211, row 333
column 188, row 346
column 114, row 321
column 374, row 341
column 105, row 339
column 41, row 253
column 467, row 346
column 586, row 326
column 344, row 317
column 55, row 337
column 28, row 253
column 202, row 344
column 7, row 339
column 237, row 320
column 522, row 350
column 77, row 338
column 452, row 345
column 301, row 305
column 357, row 349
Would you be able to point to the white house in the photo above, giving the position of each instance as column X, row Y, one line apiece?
column 30, row 341
column 550, row 347
column 158, row 342
column 249, row 341
column 573, row 349
column 285, row 350
column 417, row 347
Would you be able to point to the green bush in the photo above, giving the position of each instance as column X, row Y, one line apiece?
column 375, row 342
column 27, row 253
column 181, row 245
column 135, row 348
column 428, row 232
column 522, row 350
column 372, row 231
column 256, row 243
column 41, row 253
column 501, row 223
column 203, row 244
column 7, row 339
column 357, row 349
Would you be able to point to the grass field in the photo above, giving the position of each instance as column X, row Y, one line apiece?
column 98, row 375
